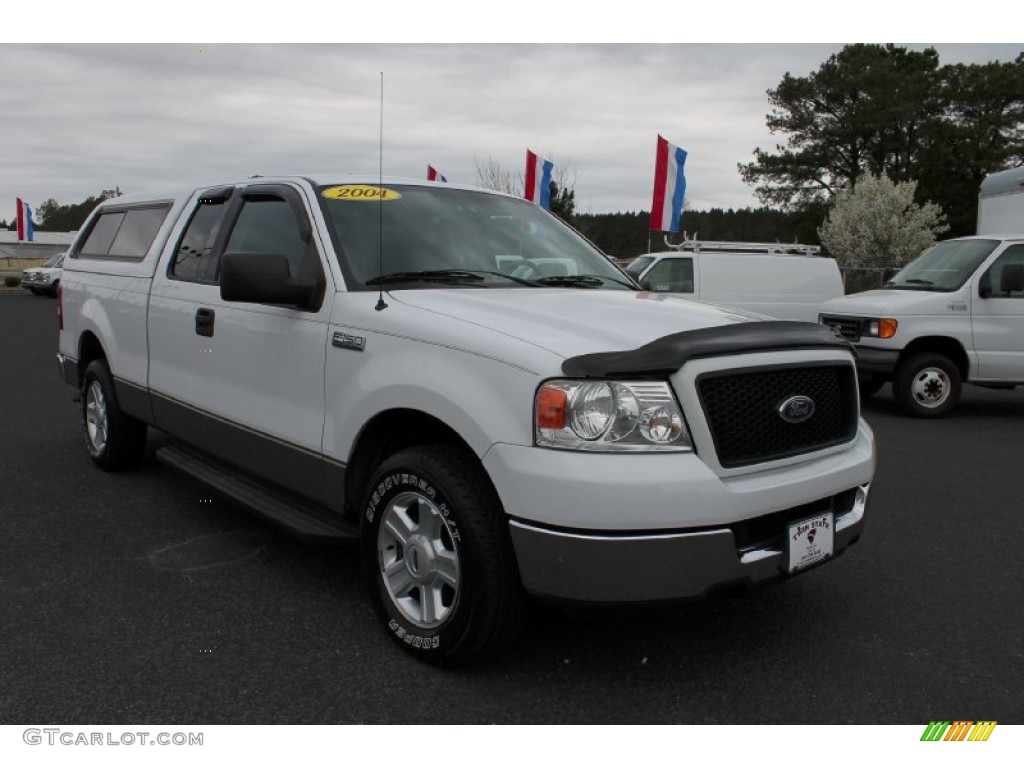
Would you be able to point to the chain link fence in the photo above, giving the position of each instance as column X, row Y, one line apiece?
column 857, row 279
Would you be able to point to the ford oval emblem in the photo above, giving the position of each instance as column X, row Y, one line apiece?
column 796, row 409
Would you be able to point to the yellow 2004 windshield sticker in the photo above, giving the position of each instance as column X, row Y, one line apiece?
column 360, row 192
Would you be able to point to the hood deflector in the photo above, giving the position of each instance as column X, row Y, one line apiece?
column 665, row 356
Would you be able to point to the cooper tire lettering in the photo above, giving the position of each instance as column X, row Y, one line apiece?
column 438, row 558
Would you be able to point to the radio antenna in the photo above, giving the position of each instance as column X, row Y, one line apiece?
column 380, row 204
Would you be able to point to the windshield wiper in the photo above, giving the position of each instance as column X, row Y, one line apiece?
column 426, row 275
column 581, row 281
column 914, row 284
column 445, row 276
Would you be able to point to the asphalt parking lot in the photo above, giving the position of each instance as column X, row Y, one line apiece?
column 141, row 598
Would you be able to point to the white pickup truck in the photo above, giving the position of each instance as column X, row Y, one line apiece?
column 458, row 380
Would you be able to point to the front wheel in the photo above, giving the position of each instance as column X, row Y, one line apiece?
column 927, row 385
column 438, row 557
column 114, row 439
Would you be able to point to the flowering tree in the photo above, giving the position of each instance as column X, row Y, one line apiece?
column 876, row 223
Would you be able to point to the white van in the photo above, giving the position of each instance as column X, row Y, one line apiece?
column 954, row 314
column 781, row 286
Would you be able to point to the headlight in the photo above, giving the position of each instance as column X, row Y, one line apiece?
column 609, row 416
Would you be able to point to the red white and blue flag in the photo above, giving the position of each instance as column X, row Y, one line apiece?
column 538, row 180
column 433, row 175
column 669, row 187
column 24, row 221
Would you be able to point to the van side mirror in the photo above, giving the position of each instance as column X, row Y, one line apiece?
column 261, row 278
column 1012, row 279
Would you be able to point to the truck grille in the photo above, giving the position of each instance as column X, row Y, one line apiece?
column 744, row 411
column 848, row 327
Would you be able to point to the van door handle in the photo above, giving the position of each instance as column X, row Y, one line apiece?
column 204, row 322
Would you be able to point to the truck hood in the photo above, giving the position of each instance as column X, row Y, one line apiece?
column 882, row 302
column 573, row 322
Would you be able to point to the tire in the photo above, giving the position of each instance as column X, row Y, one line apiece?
column 113, row 439
column 53, row 289
column 927, row 385
column 432, row 525
column 869, row 387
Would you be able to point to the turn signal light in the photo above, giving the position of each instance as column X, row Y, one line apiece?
column 551, row 408
column 887, row 328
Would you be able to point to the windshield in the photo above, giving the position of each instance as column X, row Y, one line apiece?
column 943, row 267
column 54, row 261
column 638, row 265
column 436, row 235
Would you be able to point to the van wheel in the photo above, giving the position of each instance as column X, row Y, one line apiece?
column 114, row 439
column 927, row 385
column 438, row 558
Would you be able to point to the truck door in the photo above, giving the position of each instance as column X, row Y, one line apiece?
column 243, row 381
column 997, row 321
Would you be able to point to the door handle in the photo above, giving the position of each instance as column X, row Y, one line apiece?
column 204, row 322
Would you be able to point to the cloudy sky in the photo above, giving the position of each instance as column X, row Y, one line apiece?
column 79, row 118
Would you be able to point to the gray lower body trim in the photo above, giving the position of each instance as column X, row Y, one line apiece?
column 134, row 400
column 880, row 362
column 296, row 469
column 598, row 568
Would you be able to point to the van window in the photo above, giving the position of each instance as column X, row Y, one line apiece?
column 943, row 267
column 1012, row 255
column 674, row 275
column 638, row 265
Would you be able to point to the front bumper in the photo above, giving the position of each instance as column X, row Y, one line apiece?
column 599, row 568
column 876, row 362
column 638, row 528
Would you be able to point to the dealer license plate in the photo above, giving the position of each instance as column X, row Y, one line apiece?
column 810, row 541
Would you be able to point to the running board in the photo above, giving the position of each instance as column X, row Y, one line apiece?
column 302, row 519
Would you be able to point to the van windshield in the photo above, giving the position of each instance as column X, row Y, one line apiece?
column 439, row 236
column 638, row 265
column 943, row 267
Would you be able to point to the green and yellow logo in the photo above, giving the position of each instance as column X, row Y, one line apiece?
column 958, row 730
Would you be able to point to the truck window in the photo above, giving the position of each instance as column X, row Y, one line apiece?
column 192, row 259
column 124, row 234
column 267, row 225
column 672, row 276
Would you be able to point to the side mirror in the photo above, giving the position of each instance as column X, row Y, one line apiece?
column 1012, row 279
column 261, row 278
column 646, row 284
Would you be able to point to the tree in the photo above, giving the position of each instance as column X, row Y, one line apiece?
column 886, row 110
column 54, row 217
column 862, row 110
column 877, row 224
column 492, row 175
column 980, row 132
